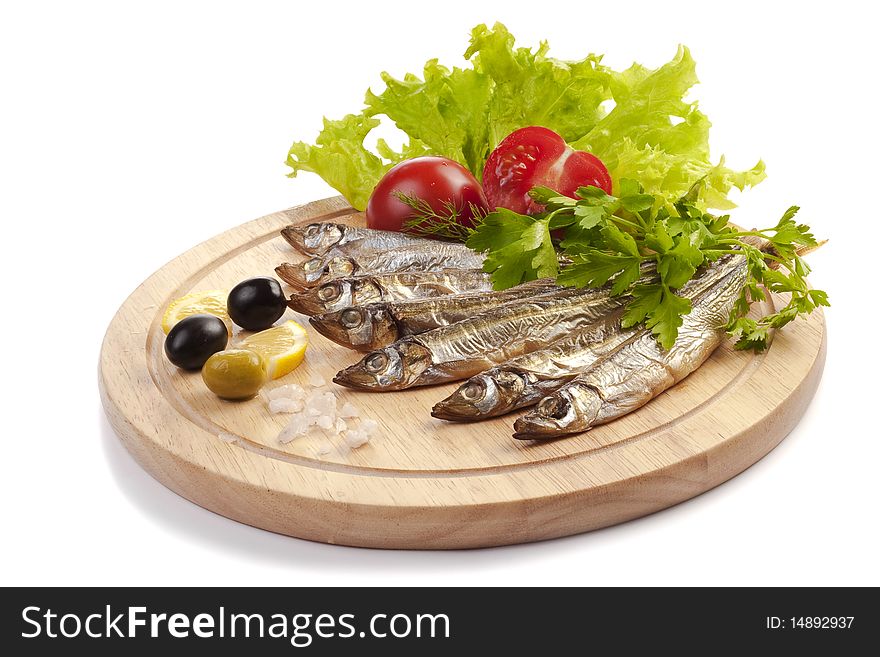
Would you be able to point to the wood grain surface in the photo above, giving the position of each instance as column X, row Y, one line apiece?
column 424, row 483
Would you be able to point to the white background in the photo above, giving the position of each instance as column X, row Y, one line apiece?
column 131, row 132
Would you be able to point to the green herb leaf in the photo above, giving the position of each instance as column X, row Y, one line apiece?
column 660, row 309
column 595, row 196
column 518, row 247
column 645, row 299
column 498, row 230
column 749, row 334
column 549, row 197
column 665, row 318
column 678, row 265
column 637, row 202
column 449, row 223
column 617, row 240
column 595, row 268
column 589, row 216
column 658, row 239
column 607, row 245
column 627, row 276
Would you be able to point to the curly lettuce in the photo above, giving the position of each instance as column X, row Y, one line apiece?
column 651, row 133
column 340, row 158
column 654, row 136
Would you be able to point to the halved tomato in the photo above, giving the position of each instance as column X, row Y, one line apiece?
column 534, row 156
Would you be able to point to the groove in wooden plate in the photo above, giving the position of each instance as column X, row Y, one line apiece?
column 425, row 483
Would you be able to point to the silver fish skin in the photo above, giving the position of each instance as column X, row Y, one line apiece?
column 335, row 264
column 316, row 239
column 639, row 371
column 376, row 325
column 460, row 350
column 395, row 286
column 523, row 381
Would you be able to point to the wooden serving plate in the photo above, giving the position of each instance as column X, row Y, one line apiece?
column 426, row 483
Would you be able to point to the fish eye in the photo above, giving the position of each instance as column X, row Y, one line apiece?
column 329, row 292
column 312, row 230
column 351, row 318
column 473, row 390
column 553, row 407
column 376, row 362
column 314, row 264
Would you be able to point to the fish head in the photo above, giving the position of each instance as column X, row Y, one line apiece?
column 291, row 274
column 316, row 271
column 321, row 269
column 315, row 238
column 395, row 367
column 569, row 410
column 361, row 327
column 317, row 300
column 485, row 395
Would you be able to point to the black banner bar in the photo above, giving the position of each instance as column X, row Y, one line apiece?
column 433, row 621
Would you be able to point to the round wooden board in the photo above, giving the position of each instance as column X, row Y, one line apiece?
column 424, row 483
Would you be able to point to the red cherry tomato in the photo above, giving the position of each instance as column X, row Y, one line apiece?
column 436, row 180
column 538, row 156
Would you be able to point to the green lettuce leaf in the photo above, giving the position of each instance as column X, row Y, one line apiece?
column 340, row 158
column 446, row 112
column 651, row 135
column 530, row 88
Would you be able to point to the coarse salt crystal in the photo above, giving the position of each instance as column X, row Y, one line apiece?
column 311, row 411
column 369, row 426
column 325, row 422
column 290, row 391
column 356, row 438
column 324, row 402
column 316, row 380
column 298, row 426
column 284, row 405
column 340, row 425
column 227, row 437
column 327, row 402
column 324, row 448
column 348, row 410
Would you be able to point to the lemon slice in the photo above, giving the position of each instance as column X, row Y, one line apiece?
column 210, row 302
column 282, row 347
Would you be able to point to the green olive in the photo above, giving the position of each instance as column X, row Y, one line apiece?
column 234, row 374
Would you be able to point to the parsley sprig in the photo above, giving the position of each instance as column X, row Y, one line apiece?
column 610, row 238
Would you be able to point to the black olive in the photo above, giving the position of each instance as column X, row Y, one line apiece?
column 257, row 303
column 194, row 339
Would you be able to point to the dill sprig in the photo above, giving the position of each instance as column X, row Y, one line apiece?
column 450, row 224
